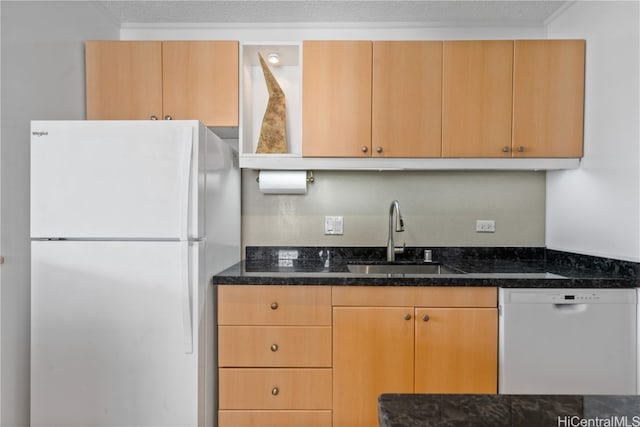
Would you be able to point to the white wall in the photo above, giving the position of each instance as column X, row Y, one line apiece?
column 595, row 210
column 296, row 32
column 1, row 222
column 42, row 77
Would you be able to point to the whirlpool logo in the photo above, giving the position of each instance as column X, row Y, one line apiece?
column 39, row 133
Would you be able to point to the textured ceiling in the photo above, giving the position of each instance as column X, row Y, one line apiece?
column 451, row 12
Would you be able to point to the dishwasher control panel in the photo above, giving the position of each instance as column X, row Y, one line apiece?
column 566, row 298
column 570, row 296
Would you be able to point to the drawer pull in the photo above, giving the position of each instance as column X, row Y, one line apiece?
column 407, row 316
column 275, row 391
column 274, row 347
column 425, row 318
column 274, row 306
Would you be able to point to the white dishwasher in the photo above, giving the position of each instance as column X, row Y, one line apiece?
column 568, row 341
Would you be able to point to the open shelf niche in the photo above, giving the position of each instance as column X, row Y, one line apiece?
column 254, row 98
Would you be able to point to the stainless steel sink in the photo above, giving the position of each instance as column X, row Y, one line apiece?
column 430, row 268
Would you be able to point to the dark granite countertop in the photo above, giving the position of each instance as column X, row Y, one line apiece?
column 502, row 267
column 500, row 410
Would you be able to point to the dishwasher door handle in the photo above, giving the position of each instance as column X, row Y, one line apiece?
column 570, row 308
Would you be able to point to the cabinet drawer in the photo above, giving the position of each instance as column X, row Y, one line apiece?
column 274, row 418
column 411, row 296
column 275, row 388
column 274, row 305
column 274, row 346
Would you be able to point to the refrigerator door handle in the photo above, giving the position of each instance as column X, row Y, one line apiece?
column 186, row 192
column 187, row 306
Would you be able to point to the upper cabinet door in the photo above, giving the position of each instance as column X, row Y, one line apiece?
column 548, row 98
column 477, row 98
column 407, row 95
column 123, row 79
column 336, row 99
column 200, row 81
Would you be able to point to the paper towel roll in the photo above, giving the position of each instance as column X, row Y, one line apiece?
column 283, row 182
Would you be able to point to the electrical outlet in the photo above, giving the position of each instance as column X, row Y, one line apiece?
column 333, row 225
column 485, row 226
column 287, row 254
column 286, row 257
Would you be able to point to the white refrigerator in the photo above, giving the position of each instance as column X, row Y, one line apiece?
column 129, row 221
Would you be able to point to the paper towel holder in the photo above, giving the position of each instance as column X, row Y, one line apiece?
column 310, row 178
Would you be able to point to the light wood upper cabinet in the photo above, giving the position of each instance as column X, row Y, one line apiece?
column 193, row 80
column 336, row 99
column 401, row 104
column 477, row 98
column 372, row 99
column 407, row 95
column 548, row 98
column 123, row 80
column 200, row 80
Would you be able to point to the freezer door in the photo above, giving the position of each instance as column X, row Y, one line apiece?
column 116, row 334
column 115, row 180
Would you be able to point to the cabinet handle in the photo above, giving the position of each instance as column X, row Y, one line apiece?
column 521, row 149
column 379, row 149
column 275, row 391
column 274, row 347
column 364, row 149
column 168, row 117
column 153, row 118
column 505, row 149
column 274, row 306
column 407, row 316
column 425, row 318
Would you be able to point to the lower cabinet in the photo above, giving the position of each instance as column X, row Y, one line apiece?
column 320, row 355
column 410, row 340
column 456, row 350
column 274, row 418
column 274, row 356
column 303, row 389
column 373, row 354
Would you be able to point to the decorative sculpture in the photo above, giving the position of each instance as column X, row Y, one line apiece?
column 273, row 134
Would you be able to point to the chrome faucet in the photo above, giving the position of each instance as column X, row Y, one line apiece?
column 392, row 250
